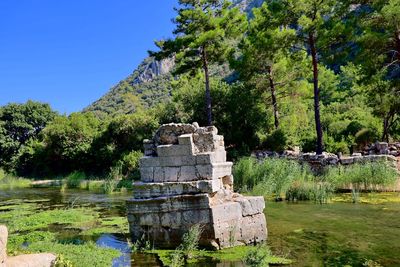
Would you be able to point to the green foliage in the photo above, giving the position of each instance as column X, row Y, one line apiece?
column 74, row 179
column 11, row 182
column 276, row 141
column 365, row 176
column 19, row 124
column 271, row 177
column 280, row 177
column 258, row 256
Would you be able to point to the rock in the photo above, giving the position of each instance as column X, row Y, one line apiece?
column 3, row 244
column 28, row 260
column 168, row 134
column 32, row 260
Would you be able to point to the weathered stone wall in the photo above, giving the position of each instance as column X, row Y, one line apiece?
column 186, row 180
column 378, row 151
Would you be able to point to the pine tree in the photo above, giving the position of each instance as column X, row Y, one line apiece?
column 264, row 53
column 380, row 60
column 204, row 34
column 310, row 19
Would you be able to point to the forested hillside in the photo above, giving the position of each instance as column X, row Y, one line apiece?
column 321, row 75
column 149, row 84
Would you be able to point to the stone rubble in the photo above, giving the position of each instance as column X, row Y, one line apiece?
column 28, row 260
column 374, row 152
column 186, row 181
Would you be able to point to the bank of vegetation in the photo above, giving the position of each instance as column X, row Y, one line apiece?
column 290, row 180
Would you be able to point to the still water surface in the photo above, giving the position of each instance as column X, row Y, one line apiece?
column 335, row 234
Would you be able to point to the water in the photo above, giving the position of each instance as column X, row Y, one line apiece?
column 336, row 234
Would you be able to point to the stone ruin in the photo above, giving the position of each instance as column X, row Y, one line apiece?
column 186, row 181
column 378, row 151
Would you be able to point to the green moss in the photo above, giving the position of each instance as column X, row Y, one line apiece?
column 35, row 230
column 83, row 255
column 369, row 198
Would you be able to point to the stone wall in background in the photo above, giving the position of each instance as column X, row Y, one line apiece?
column 373, row 152
column 186, row 181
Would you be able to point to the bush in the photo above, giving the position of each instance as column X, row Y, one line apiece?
column 130, row 165
column 276, row 141
column 258, row 256
column 365, row 136
column 74, row 179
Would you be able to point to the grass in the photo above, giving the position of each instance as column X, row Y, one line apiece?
column 8, row 181
column 105, row 186
column 278, row 178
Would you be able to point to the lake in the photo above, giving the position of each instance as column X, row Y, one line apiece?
column 335, row 234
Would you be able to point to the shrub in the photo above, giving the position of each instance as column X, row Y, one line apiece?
column 130, row 164
column 365, row 136
column 74, row 179
column 258, row 256
column 276, row 141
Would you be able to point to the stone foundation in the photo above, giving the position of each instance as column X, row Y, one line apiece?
column 186, row 181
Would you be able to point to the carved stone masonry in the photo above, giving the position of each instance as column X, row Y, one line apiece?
column 185, row 181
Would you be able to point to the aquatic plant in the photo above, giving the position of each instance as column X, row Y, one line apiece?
column 258, row 256
column 363, row 176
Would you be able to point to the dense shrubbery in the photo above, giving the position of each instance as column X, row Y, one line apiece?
column 78, row 145
column 287, row 178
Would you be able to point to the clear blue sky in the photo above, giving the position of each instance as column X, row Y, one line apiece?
column 68, row 53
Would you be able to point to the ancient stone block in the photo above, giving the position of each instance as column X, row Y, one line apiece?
column 174, row 150
column 253, row 229
column 147, row 174
column 149, row 161
column 188, row 173
column 214, row 171
column 171, row 174
column 168, row 204
column 218, row 156
column 251, row 205
column 226, row 212
column 158, row 174
column 185, row 139
column 177, row 161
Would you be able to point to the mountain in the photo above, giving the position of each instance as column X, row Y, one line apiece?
column 148, row 85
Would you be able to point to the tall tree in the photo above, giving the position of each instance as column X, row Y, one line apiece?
column 20, row 123
column 204, row 34
column 380, row 60
column 311, row 19
column 263, row 54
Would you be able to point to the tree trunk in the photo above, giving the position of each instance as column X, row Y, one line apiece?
column 385, row 135
column 318, row 125
column 207, row 82
column 397, row 38
column 273, row 98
